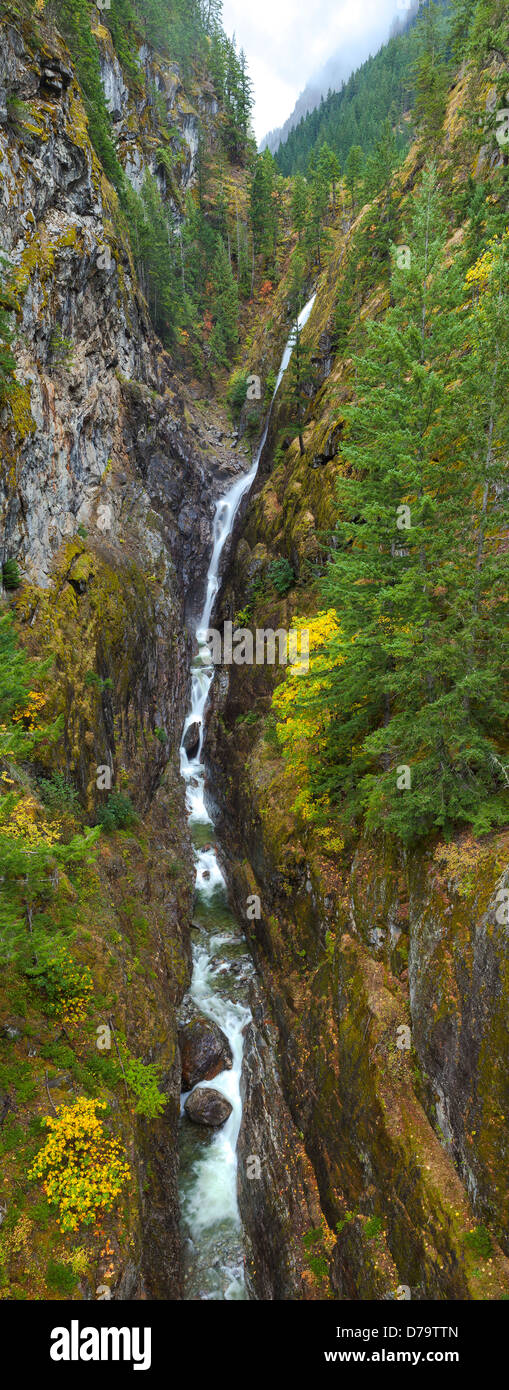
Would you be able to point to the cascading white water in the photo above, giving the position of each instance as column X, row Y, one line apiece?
column 221, row 966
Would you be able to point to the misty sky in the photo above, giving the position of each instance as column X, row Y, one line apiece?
column 287, row 41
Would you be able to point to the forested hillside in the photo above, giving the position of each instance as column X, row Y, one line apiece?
column 384, row 88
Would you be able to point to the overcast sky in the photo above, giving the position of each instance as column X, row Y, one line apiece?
column 287, row 41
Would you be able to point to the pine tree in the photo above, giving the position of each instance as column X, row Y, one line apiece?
column 381, row 164
column 328, row 168
column 462, row 12
column 334, row 174
column 488, row 34
column 244, row 100
column 317, row 238
column 157, row 252
column 212, row 15
column 431, row 75
column 485, row 392
column 238, row 100
column 225, row 308
column 353, row 172
column 262, row 206
column 299, row 204
column 378, row 185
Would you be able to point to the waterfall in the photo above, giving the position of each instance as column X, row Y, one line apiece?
column 221, row 966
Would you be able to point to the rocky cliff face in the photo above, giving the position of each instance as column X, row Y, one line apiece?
column 97, row 400
column 109, row 470
column 277, row 1189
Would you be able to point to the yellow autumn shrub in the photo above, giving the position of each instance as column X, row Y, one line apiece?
column 83, row 1170
column 24, row 821
column 29, row 713
column 479, row 274
column 301, row 726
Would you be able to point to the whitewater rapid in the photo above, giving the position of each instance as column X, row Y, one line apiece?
column 221, row 965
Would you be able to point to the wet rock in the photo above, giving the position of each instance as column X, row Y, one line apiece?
column 6, row 1104
column 252, row 563
column 191, row 738
column 207, row 1107
column 61, row 1081
column 330, row 448
column 277, row 1190
column 204, row 1051
column 12, row 1028
column 55, row 79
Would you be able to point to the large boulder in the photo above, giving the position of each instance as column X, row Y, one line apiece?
column 191, row 738
column 207, row 1107
column 204, row 1052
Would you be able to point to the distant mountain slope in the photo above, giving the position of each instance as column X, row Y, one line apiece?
column 330, row 78
column 382, row 86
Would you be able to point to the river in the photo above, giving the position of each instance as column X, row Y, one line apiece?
column 222, row 968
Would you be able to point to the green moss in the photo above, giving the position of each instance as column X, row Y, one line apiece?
column 373, row 1227
column 479, row 1242
column 60, row 1277
column 20, row 407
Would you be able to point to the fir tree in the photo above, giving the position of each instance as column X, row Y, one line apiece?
column 299, row 204
column 157, row 253
column 225, row 308
column 262, row 209
column 353, row 172
column 431, row 75
column 317, row 238
column 328, row 168
column 380, row 165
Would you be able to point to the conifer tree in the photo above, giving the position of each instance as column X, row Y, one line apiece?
column 157, row 253
column 263, row 210
column 327, row 167
column 488, row 33
column 225, row 307
column 353, row 172
column 431, row 75
column 212, row 15
column 317, row 238
column 380, row 165
column 335, row 175
column 299, row 204
column 462, row 12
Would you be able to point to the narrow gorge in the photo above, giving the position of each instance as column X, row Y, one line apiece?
column 254, row 1026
